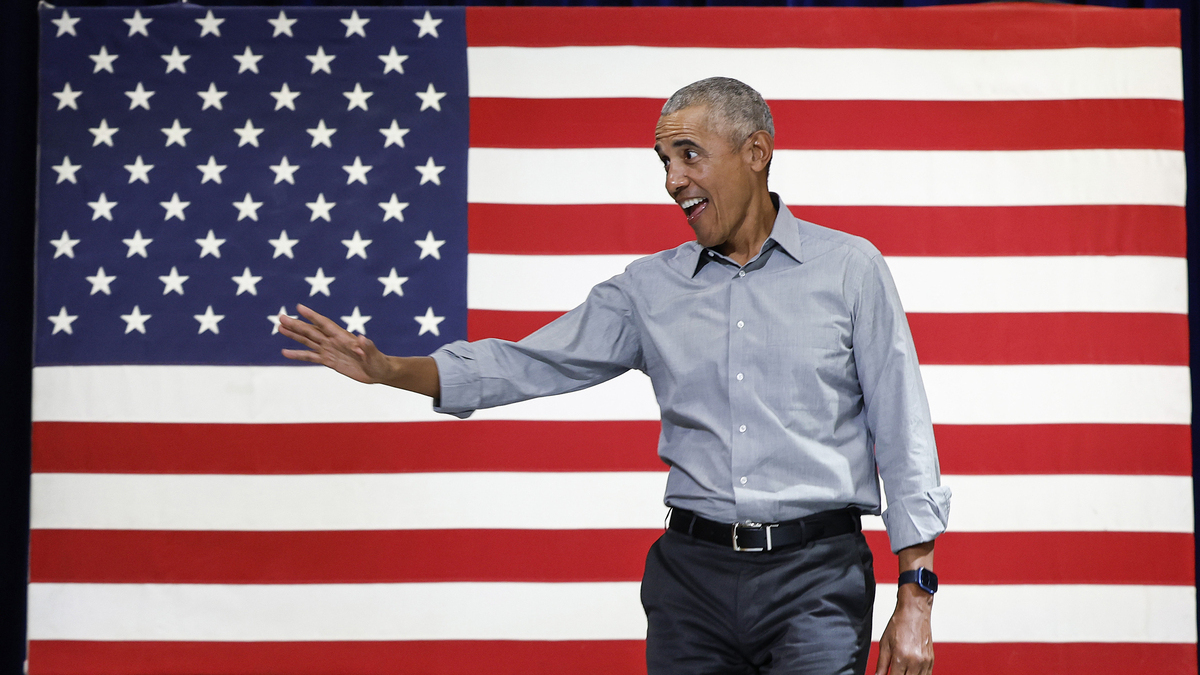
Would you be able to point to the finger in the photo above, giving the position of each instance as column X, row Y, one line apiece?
column 308, row 337
column 302, row 355
column 885, row 656
column 322, row 322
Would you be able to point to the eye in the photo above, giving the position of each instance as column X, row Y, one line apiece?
column 690, row 154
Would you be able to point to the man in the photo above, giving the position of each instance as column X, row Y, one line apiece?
column 786, row 376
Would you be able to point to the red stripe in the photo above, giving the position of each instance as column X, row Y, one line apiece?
column 108, row 556
column 989, row 339
column 848, row 125
column 984, row 27
column 523, row 229
column 510, row 657
column 96, row 447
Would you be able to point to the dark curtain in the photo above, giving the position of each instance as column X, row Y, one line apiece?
column 18, row 82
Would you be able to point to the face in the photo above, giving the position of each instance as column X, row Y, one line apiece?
column 712, row 181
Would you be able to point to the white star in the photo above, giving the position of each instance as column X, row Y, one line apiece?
column 320, row 208
column 208, row 320
column 212, row 170
column 393, row 134
column 62, row 321
column 429, row 246
column 358, row 97
column 283, row 25
column 320, row 283
column 428, row 26
column 274, row 319
column 175, row 60
column 102, row 208
column 393, row 61
column 285, row 98
column 247, row 283
column 429, row 172
column 212, row 97
column 103, row 134
column 139, row 97
column 66, row 24
column 320, row 61
column 356, row 246
column 356, row 323
column 248, row 134
column 173, row 281
column 248, row 60
column 393, row 208
column 176, row 134
column 210, row 245
column 283, row 171
column 354, row 25
column 137, row 244
column 103, row 60
column 429, row 322
column 357, row 171
column 392, row 283
column 248, row 208
column 283, row 245
column 66, row 170
column 139, row 170
column 209, row 24
column 66, row 97
column 137, row 24
column 100, row 282
column 135, row 320
column 430, row 98
column 64, row 245
column 321, row 135
column 174, row 207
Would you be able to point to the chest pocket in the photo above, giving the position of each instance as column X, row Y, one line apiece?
column 783, row 337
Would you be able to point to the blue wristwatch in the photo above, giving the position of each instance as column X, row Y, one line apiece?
column 925, row 579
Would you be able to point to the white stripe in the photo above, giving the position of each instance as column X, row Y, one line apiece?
column 1145, row 284
column 558, row 611
column 1044, row 394
column 845, row 177
column 830, row 74
column 539, row 501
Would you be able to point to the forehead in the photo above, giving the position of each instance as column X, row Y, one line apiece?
column 695, row 123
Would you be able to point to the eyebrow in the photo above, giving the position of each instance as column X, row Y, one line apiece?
column 681, row 143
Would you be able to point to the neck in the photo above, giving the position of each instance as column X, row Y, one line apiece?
column 747, row 240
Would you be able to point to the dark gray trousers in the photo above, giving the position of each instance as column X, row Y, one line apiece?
column 801, row 610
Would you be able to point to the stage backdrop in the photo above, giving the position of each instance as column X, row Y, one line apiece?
column 201, row 505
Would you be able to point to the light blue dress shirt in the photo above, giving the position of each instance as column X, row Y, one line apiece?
column 784, row 384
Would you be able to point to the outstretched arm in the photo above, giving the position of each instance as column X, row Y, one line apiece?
column 355, row 356
column 906, row 647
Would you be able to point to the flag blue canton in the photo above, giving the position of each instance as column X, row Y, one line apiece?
column 305, row 155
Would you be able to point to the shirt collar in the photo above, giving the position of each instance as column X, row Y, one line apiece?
column 785, row 235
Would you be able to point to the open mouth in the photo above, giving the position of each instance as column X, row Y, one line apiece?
column 692, row 208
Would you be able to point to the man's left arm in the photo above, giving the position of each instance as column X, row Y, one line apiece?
column 906, row 457
column 906, row 646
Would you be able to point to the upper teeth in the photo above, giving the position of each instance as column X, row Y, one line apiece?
column 689, row 203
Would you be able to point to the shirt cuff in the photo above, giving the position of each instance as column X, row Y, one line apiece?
column 458, row 380
column 918, row 518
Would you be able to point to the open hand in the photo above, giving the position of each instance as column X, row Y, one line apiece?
column 331, row 345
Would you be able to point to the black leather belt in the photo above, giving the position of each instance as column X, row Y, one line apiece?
column 766, row 536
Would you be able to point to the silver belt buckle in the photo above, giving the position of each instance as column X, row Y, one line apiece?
column 756, row 526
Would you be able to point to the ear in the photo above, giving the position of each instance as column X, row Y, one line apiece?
column 760, row 147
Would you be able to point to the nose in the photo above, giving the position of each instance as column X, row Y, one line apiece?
column 677, row 177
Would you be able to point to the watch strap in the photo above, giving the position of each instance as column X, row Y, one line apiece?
column 925, row 579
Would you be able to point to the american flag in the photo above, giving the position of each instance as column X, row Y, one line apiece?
column 199, row 505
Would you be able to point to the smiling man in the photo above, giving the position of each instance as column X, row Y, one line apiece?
column 787, row 380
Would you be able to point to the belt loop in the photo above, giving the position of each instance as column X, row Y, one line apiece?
column 692, row 524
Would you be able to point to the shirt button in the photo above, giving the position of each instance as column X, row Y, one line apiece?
column 711, row 254
column 742, row 428
column 741, row 324
column 741, row 273
column 739, row 377
column 743, row 480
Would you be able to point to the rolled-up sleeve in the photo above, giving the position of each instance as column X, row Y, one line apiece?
column 918, row 505
column 592, row 343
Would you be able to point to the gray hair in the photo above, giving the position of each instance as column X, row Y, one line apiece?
column 740, row 109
